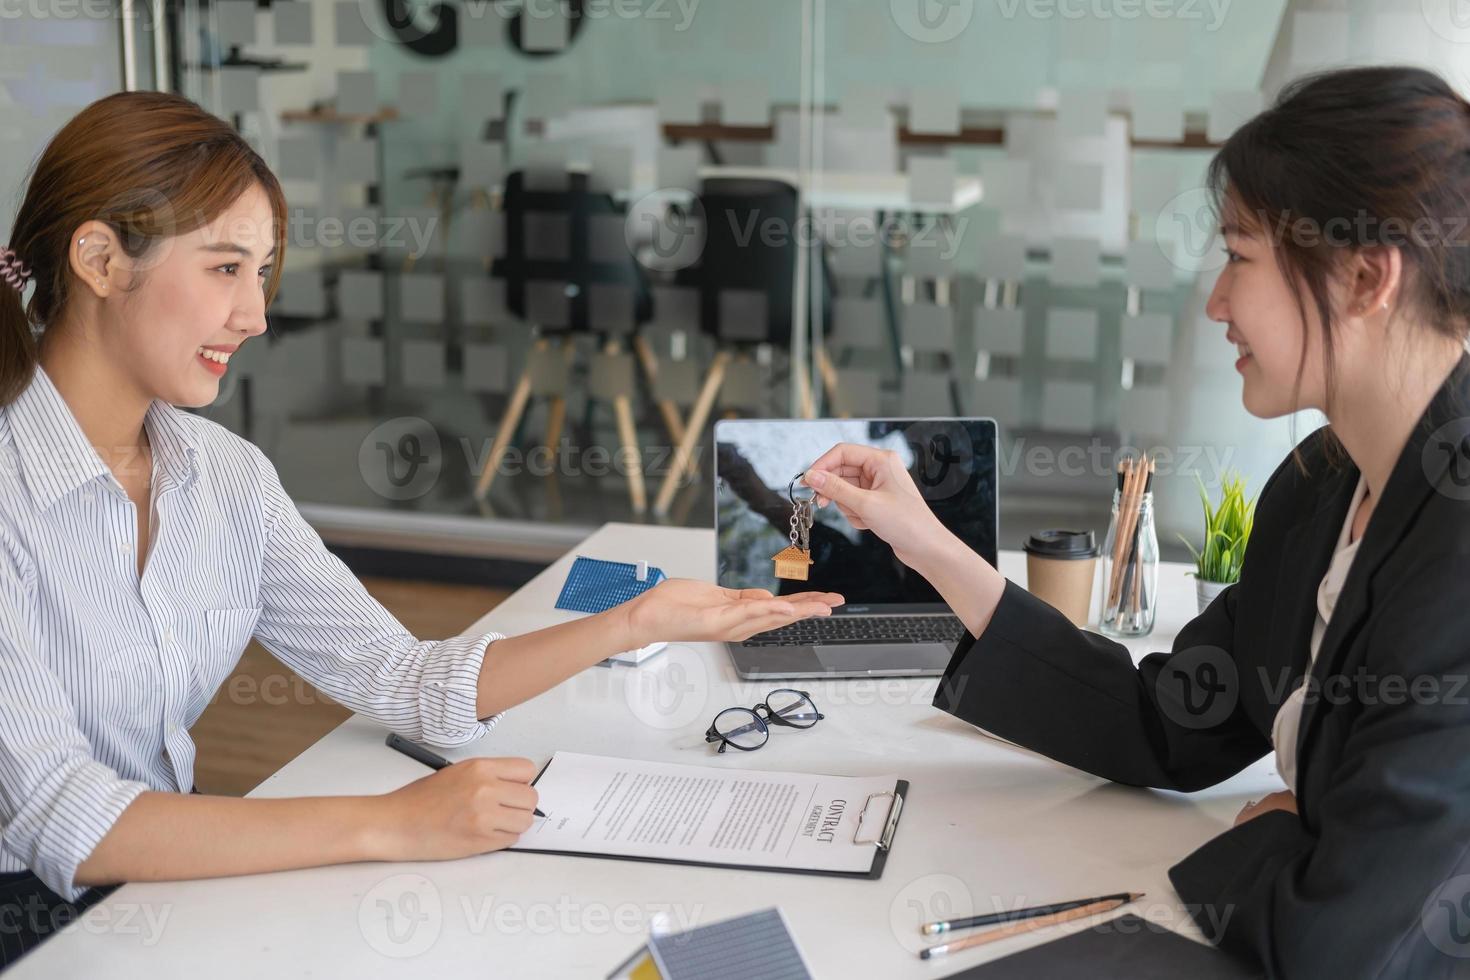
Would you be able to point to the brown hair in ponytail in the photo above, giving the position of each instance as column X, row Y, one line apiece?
column 1362, row 157
column 151, row 166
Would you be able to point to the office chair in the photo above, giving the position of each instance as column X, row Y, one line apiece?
column 567, row 272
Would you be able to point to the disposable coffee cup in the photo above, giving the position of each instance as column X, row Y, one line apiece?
column 1060, row 566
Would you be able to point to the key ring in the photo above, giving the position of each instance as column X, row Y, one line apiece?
column 801, row 515
column 791, row 491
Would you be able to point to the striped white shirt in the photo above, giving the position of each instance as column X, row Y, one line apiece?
column 102, row 673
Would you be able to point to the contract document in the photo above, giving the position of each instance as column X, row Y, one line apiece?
column 657, row 811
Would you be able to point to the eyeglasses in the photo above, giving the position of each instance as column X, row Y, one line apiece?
column 748, row 729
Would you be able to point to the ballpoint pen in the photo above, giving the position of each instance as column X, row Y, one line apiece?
column 420, row 754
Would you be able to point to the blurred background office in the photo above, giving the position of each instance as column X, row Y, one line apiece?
column 539, row 247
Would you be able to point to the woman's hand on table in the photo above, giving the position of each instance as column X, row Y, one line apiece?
column 688, row 610
column 470, row 807
column 1283, row 800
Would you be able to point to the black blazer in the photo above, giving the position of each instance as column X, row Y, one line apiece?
column 1365, row 882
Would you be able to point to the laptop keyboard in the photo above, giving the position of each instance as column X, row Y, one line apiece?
column 837, row 630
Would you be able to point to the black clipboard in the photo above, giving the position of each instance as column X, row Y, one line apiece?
column 883, row 842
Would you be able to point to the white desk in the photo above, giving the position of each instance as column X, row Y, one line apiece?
column 986, row 825
column 837, row 189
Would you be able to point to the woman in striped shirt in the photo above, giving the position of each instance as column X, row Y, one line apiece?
column 141, row 548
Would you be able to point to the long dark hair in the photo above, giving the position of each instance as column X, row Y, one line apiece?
column 1360, row 157
column 151, row 166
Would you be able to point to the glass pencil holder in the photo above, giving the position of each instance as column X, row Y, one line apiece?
column 1130, row 569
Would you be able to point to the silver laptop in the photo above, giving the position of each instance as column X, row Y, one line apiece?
column 894, row 623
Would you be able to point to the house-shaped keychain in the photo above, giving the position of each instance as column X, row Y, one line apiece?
column 792, row 563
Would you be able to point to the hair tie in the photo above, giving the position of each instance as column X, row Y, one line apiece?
column 13, row 271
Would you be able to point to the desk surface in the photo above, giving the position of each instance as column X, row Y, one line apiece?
column 987, row 825
column 837, row 188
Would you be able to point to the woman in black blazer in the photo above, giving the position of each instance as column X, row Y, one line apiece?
column 1360, row 553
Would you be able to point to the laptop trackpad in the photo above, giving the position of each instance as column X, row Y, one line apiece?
column 898, row 660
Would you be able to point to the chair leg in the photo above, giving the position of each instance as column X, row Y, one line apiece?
column 513, row 412
column 670, row 412
column 829, row 383
column 628, row 437
column 557, row 415
column 698, row 415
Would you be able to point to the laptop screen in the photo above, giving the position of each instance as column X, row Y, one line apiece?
column 952, row 461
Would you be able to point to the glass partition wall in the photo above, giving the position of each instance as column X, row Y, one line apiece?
column 539, row 246
column 498, row 309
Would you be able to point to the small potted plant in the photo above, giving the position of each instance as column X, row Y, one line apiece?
column 1227, row 530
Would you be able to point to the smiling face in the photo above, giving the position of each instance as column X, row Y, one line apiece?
column 204, row 290
column 1254, row 298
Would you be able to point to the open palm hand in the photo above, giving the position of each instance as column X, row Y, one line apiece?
column 693, row 611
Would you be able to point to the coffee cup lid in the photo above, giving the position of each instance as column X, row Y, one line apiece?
column 1061, row 544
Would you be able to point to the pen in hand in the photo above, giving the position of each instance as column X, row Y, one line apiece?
column 420, row 754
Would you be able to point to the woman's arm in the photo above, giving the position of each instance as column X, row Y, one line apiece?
column 1373, row 878
column 518, row 668
column 317, row 618
column 470, row 807
column 75, row 822
column 1026, row 673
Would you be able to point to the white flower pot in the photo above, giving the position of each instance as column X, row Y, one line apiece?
column 1205, row 592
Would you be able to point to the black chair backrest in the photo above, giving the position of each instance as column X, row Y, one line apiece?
column 530, row 213
column 750, row 244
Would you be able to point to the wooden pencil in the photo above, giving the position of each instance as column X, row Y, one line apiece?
column 1029, row 925
column 1138, row 594
column 1125, row 468
column 1127, row 520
